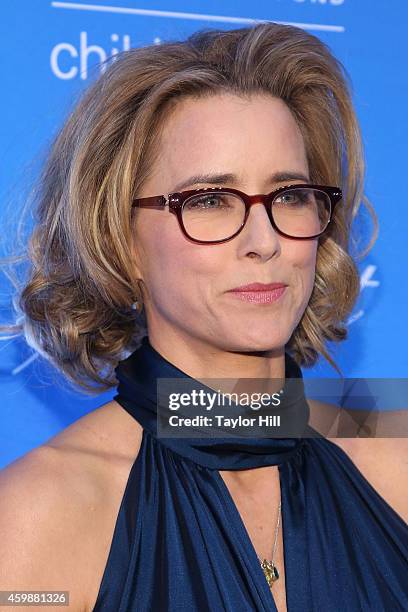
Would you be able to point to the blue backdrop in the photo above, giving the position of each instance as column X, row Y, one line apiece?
column 50, row 52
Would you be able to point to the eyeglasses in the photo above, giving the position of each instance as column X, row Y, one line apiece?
column 216, row 214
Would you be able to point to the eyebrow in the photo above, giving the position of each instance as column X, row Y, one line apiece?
column 219, row 179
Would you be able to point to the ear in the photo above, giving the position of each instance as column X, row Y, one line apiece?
column 136, row 257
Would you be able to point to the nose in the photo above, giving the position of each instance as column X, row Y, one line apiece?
column 259, row 236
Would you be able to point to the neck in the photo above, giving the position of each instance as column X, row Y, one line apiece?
column 220, row 448
column 201, row 361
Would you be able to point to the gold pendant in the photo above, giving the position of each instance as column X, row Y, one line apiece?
column 270, row 571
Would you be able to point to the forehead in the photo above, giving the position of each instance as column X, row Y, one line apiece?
column 227, row 132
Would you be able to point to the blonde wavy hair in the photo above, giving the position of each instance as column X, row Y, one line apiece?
column 75, row 304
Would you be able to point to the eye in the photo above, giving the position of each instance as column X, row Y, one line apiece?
column 294, row 197
column 207, row 202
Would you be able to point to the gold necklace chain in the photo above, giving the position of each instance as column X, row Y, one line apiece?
column 269, row 568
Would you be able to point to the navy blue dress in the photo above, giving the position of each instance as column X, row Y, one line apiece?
column 180, row 545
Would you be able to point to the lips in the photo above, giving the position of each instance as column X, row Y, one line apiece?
column 259, row 287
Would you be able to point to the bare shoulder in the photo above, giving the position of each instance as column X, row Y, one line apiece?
column 59, row 504
column 384, row 463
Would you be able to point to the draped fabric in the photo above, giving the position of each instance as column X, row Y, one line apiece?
column 180, row 545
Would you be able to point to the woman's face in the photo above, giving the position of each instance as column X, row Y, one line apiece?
column 185, row 284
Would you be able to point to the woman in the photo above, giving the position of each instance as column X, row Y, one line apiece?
column 127, row 520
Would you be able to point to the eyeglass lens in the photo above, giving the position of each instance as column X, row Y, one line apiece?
column 297, row 212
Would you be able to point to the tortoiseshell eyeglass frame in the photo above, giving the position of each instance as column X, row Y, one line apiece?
column 176, row 200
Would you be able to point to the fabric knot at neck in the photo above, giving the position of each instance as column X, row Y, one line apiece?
column 137, row 392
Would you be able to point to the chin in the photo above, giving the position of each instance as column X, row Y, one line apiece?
column 258, row 344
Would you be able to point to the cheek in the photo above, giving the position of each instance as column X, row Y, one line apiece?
column 303, row 258
column 174, row 265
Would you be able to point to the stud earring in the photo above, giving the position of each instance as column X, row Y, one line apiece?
column 138, row 303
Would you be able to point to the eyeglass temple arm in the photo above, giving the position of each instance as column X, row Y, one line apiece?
column 152, row 202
